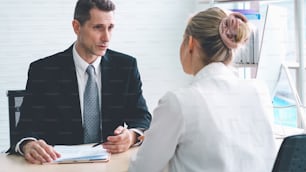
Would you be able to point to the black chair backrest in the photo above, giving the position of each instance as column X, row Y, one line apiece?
column 15, row 98
column 291, row 156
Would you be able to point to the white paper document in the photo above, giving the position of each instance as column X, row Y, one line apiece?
column 81, row 154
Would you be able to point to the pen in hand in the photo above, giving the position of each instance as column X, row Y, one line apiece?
column 125, row 126
column 99, row 143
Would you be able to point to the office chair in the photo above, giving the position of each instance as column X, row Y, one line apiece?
column 15, row 98
column 291, row 156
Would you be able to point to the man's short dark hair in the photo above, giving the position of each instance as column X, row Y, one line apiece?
column 83, row 7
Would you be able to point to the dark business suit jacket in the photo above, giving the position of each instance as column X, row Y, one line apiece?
column 51, row 109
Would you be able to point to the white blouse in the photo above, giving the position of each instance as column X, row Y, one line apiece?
column 219, row 123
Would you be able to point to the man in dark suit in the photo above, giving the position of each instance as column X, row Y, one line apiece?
column 53, row 109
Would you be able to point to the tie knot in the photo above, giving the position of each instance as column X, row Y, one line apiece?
column 90, row 70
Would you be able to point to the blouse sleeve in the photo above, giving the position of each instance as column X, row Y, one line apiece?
column 162, row 138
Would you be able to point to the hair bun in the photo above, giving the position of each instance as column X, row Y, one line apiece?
column 229, row 30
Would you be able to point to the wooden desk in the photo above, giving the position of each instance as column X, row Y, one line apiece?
column 117, row 163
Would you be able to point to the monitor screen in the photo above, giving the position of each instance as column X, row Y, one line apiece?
column 272, row 48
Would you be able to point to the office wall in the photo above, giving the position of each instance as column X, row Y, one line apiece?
column 149, row 30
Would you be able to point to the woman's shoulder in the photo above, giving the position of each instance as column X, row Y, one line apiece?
column 181, row 96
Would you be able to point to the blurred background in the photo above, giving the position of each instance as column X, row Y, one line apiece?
column 151, row 31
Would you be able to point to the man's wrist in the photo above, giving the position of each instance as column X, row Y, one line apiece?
column 138, row 135
column 21, row 143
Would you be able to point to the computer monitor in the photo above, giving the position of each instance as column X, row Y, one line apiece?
column 272, row 54
column 272, row 47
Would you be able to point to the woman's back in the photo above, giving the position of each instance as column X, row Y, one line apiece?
column 217, row 124
column 226, row 124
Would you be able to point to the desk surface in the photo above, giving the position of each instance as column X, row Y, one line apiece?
column 117, row 163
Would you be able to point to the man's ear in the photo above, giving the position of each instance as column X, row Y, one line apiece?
column 76, row 26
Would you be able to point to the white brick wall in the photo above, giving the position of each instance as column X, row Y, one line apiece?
column 149, row 30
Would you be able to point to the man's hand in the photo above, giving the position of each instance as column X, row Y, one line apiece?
column 122, row 140
column 38, row 152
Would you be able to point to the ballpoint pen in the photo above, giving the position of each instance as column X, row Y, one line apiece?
column 125, row 126
column 99, row 143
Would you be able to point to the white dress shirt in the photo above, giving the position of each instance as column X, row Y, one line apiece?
column 81, row 67
column 218, row 123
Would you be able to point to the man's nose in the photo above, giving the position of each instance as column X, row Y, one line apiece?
column 105, row 36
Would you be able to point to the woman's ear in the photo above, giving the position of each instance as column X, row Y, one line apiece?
column 190, row 44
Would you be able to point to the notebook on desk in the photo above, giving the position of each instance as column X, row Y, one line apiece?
column 80, row 154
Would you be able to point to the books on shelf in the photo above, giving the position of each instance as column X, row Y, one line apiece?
column 249, row 14
column 249, row 53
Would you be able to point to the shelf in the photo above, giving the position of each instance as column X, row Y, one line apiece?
column 231, row 1
column 290, row 64
column 240, row 65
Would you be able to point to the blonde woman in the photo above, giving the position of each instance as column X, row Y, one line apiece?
column 219, row 123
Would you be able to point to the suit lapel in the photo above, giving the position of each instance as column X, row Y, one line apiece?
column 69, row 83
column 108, row 123
column 105, row 71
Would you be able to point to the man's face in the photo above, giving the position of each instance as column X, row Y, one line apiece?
column 94, row 36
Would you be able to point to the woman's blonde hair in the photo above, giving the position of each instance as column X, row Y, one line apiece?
column 205, row 28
